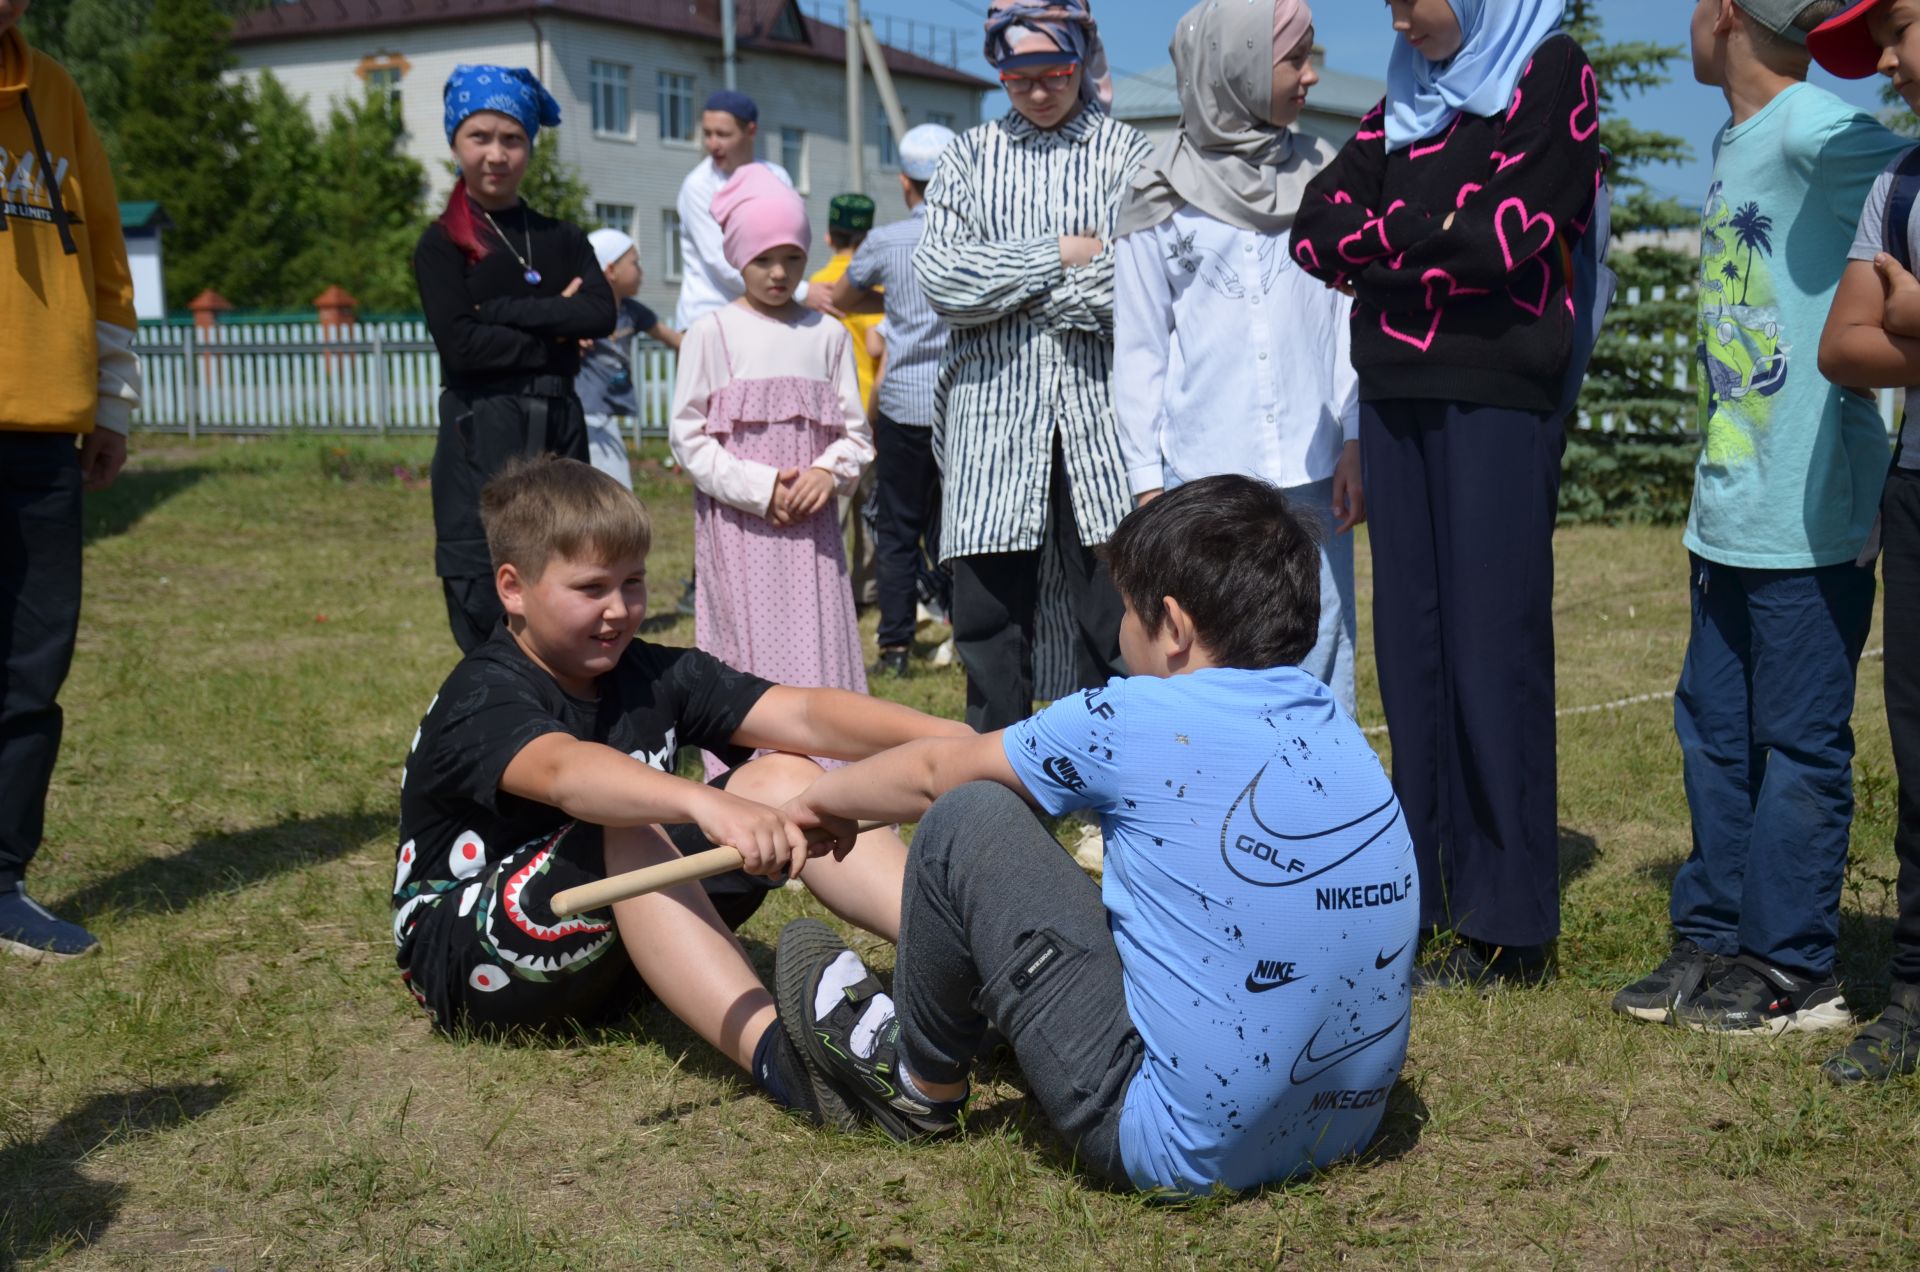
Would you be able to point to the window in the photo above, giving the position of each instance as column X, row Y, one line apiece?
column 677, row 119
column 615, row 216
column 670, row 253
column 942, row 118
column 793, row 156
column 382, row 73
column 883, row 136
column 384, row 81
column 612, row 103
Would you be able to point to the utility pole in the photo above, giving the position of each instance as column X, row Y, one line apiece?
column 883, row 81
column 856, row 145
column 727, row 42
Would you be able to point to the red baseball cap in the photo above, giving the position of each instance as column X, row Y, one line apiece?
column 1843, row 45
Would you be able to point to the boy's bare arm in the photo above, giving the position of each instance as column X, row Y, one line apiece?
column 836, row 723
column 901, row 784
column 1872, row 337
column 598, row 785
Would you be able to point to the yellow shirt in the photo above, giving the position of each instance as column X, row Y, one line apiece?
column 858, row 325
column 49, row 301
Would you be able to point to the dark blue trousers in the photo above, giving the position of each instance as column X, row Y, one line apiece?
column 40, row 533
column 1764, row 713
column 1461, row 503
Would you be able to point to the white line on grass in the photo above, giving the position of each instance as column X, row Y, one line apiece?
column 1596, row 707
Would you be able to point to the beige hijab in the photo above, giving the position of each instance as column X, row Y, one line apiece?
column 1227, row 160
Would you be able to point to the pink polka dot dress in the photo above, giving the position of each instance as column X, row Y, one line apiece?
column 754, row 396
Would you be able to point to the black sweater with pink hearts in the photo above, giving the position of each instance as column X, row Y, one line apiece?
column 1477, row 312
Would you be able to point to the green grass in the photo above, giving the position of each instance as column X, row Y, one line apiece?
column 240, row 1082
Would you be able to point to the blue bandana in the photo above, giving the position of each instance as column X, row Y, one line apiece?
column 511, row 90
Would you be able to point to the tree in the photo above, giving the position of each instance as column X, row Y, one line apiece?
column 552, row 185
column 183, row 141
column 366, row 193
column 1649, row 339
column 1753, row 230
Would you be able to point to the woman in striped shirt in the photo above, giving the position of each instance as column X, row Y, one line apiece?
column 1016, row 257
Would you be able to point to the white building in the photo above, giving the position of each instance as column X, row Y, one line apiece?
column 631, row 77
column 1151, row 102
column 140, row 224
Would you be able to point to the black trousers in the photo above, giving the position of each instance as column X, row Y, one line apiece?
column 479, row 433
column 996, row 596
column 39, row 622
column 1461, row 503
column 1900, row 546
column 906, row 501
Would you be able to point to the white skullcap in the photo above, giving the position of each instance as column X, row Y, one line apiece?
column 921, row 148
column 610, row 245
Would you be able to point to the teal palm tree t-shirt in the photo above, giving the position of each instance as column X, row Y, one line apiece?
column 1790, row 465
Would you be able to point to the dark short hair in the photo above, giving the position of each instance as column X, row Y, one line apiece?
column 843, row 240
column 919, row 187
column 1239, row 560
column 544, row 507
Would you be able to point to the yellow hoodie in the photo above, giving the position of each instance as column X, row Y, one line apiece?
column 66, row 321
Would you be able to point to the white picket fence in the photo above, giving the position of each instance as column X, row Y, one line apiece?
column 373, row 378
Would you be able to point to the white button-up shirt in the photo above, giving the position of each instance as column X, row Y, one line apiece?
column 1229, row 358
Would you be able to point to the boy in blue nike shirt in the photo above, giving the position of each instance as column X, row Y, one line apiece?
column 1230, row 1005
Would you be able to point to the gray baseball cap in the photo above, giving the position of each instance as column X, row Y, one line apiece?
column 1778, row 16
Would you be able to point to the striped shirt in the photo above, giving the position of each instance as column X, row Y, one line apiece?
column 915, row 334
column 1031, row 346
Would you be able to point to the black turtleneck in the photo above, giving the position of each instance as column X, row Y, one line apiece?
column 491, row 325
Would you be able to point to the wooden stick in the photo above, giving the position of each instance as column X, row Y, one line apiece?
column 638, row 883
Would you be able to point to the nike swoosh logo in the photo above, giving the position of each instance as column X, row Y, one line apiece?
column 1261, row 987
column 1386, row 960
column 1317, row 1065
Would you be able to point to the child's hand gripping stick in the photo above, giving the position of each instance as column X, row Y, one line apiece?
column 638, row 883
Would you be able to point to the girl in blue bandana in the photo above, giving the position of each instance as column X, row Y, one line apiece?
column 509, row 294
column 1451, row 217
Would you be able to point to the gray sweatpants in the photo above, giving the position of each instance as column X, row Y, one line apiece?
column 998, row 924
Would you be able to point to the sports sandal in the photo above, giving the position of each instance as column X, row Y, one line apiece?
column 843, row 1025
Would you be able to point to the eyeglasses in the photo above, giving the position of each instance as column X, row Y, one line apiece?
column 1050, row 81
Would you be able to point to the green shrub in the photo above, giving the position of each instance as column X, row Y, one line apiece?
column 1614, row 479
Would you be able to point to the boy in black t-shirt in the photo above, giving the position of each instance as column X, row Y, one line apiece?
column 545, row 762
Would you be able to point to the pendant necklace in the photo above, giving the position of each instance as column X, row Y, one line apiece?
column 532, row 275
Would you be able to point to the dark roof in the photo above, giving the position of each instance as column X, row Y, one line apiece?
column 755, row 21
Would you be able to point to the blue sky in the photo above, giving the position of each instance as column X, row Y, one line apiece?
column 1357, row 36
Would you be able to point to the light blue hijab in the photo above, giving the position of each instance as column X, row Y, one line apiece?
column 1498, row 38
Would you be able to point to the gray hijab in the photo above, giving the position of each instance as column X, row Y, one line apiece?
column 1227, row 160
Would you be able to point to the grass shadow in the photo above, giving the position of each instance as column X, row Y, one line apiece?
column 1579, row 853
column 225, row 862
column 134, row 494
column 52, row 1206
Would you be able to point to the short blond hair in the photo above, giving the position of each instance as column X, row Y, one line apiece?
column 543, row 507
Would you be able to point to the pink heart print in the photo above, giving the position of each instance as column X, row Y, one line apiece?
column 1589, row 105
column 1540, row 223
column 1435, row 276
column 1506, row 160
column 1377, row 224
column 1539, row 307
column 1304, row 253
column 1421, row 152
column 1422, row 343
column 1372, row 134
column 1467, row 191
column 1514, row 109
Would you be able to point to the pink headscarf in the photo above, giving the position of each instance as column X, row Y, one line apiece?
column 758, row 212
column 1291, row 20
column 1064, row 30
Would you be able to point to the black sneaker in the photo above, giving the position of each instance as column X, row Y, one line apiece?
column 895, row 661
column 1684, row 973
column 844, row 1027
column 1753, row 996
column 1471, row 964
column 1887, row 1048
column 31, row 931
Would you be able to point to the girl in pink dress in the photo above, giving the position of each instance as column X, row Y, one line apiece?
column 767, row 420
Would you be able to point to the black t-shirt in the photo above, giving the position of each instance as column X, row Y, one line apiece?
column 456, row 822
